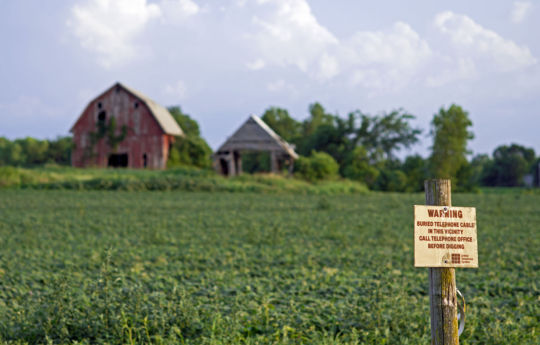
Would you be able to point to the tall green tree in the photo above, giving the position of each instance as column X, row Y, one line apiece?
column 60, row 150
column 387, row 133
column 416, row 169
column 450, row 131
column 282, row 123
column 359, row 167
column 476, row 172
column 317, row 117
column 191, row 150
column 34, row 150
column 331, row 137
column 510, row 164
column 10, row 152
column 31, row 151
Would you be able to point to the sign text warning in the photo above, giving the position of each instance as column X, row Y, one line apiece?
column 445, row 236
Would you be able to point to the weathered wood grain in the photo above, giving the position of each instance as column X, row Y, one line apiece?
column 442, row 281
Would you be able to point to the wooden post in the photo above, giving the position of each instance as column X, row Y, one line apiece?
column 239, row 170
column 273, row 162
column 291, row 166
column 231, row 163
column 442, row 281
column 538, row 170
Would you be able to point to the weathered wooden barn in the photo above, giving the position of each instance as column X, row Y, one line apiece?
column 253, row 136
column 123, row 128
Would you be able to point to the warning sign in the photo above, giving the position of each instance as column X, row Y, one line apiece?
column 445, row 236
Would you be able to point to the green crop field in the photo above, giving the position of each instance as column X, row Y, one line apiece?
column 96, row 267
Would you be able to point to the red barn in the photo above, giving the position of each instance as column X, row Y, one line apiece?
column 123, row 128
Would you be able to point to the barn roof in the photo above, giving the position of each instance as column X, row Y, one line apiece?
column 162, row 115
column 164, row 118
column 255, row 135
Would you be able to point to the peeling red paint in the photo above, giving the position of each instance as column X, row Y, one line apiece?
column 144, row 136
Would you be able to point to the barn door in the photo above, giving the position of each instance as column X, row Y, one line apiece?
column 118, row 160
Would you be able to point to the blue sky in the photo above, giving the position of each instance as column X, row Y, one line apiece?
column 223, row 60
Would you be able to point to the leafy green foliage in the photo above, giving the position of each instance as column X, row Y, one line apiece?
column 509, row 165
column 318, row 117
column 10, row 152
column 182, row 178
column 31, row 152
column 318, row 166
column 105, row 130
column 191, row 150
column 35, row 151
column 385, row 133
column 255, row 162
column 189, row 126
column 358, row 167
column 114, row 139
column 282, row 123
column 221, row 268
column 415, row 169
column 391, row 179
column 360, row 143
column 450, row 131
column 60, row 150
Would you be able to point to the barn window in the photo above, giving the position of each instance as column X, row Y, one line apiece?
column 102, row 116
column 145, row 160
column 99, row 105
column 117, row 89
column 136, row 105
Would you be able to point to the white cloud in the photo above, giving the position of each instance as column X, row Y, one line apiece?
column 178, row 89
column 175, row 10
column 520, row 11
column 491, row 52
column 256, row 65
column 280, row 85
column 385, row 59
column 241, row 3
column 287, row 33
column 328, row 66
column 454, row 69
column 109, row 28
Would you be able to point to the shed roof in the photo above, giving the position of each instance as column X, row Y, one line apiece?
column 164, row 118
column 255, row 135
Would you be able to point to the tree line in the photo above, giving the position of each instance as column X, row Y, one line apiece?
column 364, row 147
column 32, row 152
column 359, row 147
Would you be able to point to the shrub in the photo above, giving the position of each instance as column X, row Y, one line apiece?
column 391, row 180
column 318, row 166
column 358, row 167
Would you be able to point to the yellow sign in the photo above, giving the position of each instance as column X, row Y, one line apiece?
column 445, row 236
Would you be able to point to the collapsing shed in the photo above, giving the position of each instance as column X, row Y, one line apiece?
column 253, row 136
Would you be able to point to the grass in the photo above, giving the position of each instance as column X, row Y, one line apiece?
column 102, row 267
column 185, row 179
